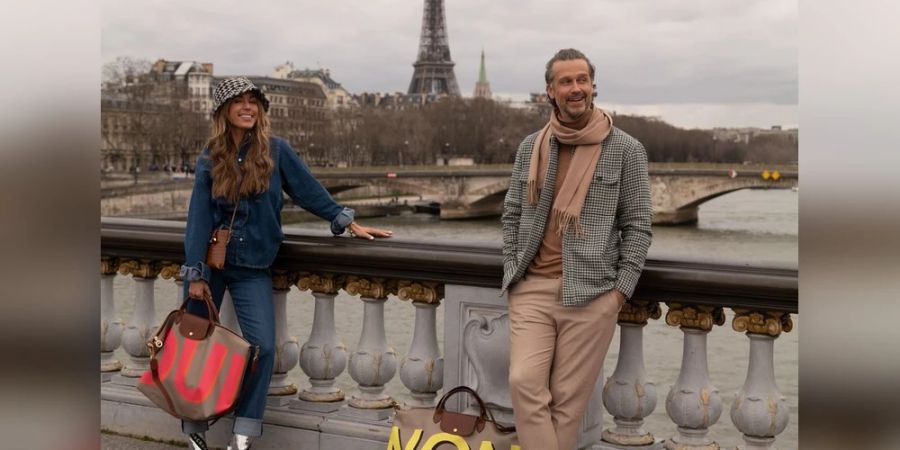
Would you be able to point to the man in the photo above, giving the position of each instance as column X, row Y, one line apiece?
column 576, row 229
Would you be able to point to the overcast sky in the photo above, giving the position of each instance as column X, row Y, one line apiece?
column 695, row 63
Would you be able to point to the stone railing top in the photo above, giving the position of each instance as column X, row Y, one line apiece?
column 665, row 279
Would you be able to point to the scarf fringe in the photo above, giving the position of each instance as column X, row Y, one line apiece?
column 564, row 220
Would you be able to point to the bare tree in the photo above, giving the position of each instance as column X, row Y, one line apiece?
column 124, row 71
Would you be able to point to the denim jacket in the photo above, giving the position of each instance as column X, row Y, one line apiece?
column 257, row 233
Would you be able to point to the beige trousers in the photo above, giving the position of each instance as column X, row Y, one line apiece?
column 556, row 354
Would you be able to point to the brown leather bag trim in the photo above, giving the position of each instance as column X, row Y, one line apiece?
column 194, row 327
column 460, row 424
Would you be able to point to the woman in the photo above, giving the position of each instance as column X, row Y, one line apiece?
column 244, row 166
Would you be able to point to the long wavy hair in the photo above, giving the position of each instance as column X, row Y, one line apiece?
column 223, row 158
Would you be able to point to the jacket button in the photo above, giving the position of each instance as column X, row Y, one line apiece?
column 240, row 239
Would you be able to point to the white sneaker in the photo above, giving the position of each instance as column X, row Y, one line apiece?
column 197, row 441
column 239, row 442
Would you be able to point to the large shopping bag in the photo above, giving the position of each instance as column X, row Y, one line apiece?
column 197, row 366
column 439, row 429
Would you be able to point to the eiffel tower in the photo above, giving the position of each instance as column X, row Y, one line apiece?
column 433, row 69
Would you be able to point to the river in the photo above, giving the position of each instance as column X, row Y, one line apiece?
column 750, row 226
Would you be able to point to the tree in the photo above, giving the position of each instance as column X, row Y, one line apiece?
column 153, row 115
column 124, row 71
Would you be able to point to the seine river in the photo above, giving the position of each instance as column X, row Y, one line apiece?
column 752, row 227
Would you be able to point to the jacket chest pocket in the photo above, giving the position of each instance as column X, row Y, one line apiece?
column 603, row 195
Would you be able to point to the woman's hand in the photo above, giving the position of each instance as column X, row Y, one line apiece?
column 199, row 289
column 359, row 231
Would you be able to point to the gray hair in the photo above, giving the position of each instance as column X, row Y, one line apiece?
column 566, row 54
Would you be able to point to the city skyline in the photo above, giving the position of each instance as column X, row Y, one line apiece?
column 702, row 64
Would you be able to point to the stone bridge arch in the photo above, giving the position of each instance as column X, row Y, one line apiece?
column 406, row 185
column 676, row 198
column 677, row 193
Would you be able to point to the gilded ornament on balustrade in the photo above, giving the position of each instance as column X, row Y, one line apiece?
column 170, row 270
column 639, row 312
column 282, row 280
column 109, row 265
column 325, row 283
column 422, row 292
column 699, row 317
column 378, row 288
column 772, row 323
column 143, row 268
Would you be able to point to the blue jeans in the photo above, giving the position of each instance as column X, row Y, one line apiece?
column 251, row 292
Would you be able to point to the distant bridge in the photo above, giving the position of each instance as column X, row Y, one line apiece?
column 469, row 192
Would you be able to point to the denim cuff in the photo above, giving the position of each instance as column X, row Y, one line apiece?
column 197, row 272
column 247, row 426
column 342, row 220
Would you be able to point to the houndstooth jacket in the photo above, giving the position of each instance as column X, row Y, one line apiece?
column 615, row 221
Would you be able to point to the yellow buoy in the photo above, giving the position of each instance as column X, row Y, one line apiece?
column 776, row 175
column 766, row 175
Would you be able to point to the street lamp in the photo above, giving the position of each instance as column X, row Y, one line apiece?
column 446, row 153
column 403, row 150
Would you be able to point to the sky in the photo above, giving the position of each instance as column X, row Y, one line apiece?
column 693, row 63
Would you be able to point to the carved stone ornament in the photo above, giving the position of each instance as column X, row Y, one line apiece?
column 326, row 283
column 282, row 280
column 170, row 270
column 698, row 317
column 422, row 292
column 639, row 312
column 109, row 265
column 486, row 346
column 143, row 268
column 378, row 288
column 772, row 323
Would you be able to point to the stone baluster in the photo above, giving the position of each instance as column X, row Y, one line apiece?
column 170, row 272
column 287, row 350
column 227, row 314
column 759, row 410
column 627, row 395
column 141, row 325
column 422, row 370
column 110, row 326
column 693, row 402
column 323, row 357
column 373, row 363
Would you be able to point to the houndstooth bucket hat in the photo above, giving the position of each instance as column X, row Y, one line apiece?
column 230, row 88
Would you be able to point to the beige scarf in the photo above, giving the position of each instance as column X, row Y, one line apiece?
column 571, row 195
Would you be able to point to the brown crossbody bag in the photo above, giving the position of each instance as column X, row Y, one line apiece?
column 218, row 242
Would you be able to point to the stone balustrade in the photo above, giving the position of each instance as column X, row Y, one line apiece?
column 464, row 280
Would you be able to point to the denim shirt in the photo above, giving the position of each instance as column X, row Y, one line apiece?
column 257, row 233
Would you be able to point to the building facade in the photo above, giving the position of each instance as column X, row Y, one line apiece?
column 337, row 97
column 157, row 121
column 297, row 109
column 191, row 82
column 745, row 135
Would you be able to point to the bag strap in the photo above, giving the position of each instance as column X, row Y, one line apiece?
column 485, row 414
column 231, row 224
column 211, row 311
column 236, row 205
column 155, row 345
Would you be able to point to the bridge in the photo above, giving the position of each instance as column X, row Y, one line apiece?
column 417, row 280
column 476, row 191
